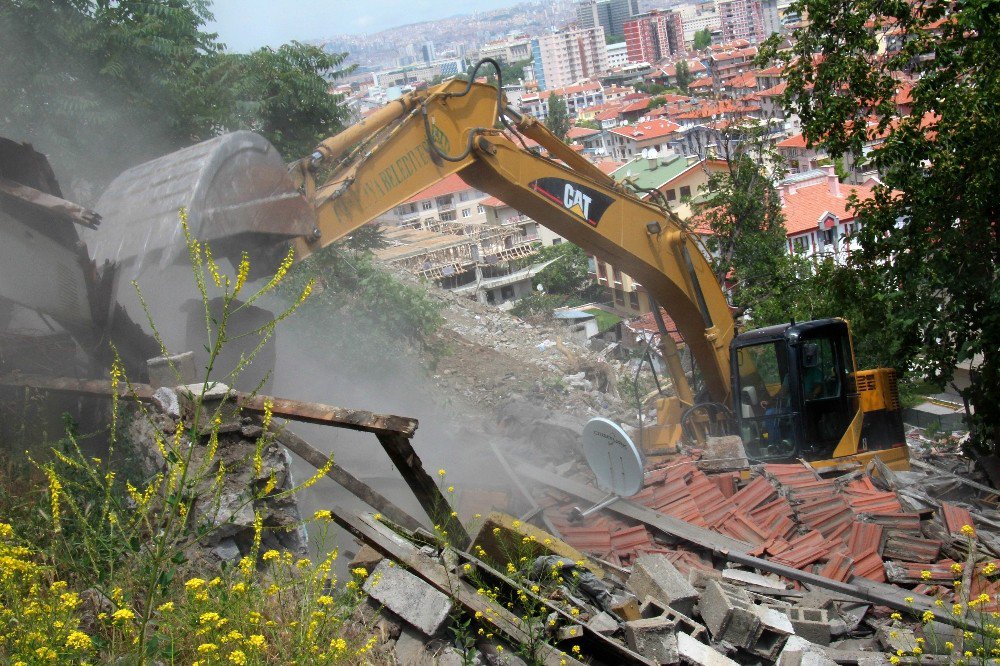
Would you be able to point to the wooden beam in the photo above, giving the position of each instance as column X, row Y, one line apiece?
column 426, row 489
column 49, row 203
column 315, row 412
column 395, row 547
column 366, row 493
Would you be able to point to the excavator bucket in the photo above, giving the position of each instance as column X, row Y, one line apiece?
column 237, row 193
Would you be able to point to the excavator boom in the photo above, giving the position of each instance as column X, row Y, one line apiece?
column 452, row 129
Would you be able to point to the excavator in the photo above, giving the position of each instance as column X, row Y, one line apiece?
column 789, row 392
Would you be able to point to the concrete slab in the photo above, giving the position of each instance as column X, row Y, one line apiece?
column 409, row 597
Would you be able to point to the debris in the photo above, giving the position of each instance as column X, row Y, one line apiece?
column 693, row 651
column 655, row 576
column 654, row 637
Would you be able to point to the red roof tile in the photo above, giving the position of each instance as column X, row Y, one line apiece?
column 449, row 185
column 805, row 206
column 651, row 129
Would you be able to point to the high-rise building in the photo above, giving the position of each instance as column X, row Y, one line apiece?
column 609, row 14
column 427, row 51
column 621, row 11
column 571, row 55
column 593, row 13
column 741, row 19
column 654, row 36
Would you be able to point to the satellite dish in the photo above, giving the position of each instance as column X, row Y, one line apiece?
column 613, row 457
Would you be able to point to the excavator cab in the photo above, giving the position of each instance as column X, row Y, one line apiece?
column 794, row 387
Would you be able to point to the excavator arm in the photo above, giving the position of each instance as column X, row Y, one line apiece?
column 456, row 128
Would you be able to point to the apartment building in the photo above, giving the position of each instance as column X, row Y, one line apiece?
column 741, row 19
column 654, row 36
column 578, row 97
column 569, row 56
column 608, row 14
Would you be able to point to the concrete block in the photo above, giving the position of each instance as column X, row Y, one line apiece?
column 654, row 638
column 627, row 608
column 172, row 370
column 652, row 608
column 510, row 539
column 569, row 632
column 893, row 637
column 701, row 577
column 409, row 597
column 366, row 557
column 775, row 628
column 692, row 651
column 800, row 652
column 813, row 624
column 603, row 623
column 653, row 575
column 729, row 614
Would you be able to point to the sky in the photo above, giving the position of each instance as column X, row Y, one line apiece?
column 244, row 25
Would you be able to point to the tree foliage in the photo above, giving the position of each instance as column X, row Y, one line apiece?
column 100, row 86
column 683, row 76
column 558, row 118
column 930, row 231
column 568, row 275
column 702, row 39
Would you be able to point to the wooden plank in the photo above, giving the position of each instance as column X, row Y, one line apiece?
column 295, row 410
column 393, row 546
column 366, row 493
column 315, row 412
column 49, row 203
column 431, row 499
column 667, row 524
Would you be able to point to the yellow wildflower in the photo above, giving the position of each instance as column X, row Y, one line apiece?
column 323, row 514
column 360, row 572
column 925, row 575
column 325, row 600
column 956, row 568
column 256, row 640
column 576, row 649
column 948, row 645
column 122, row 615
column 195, row 584
column 206, row 648
column 968, row 531
column 896, row 616
column 271, row 555
column 238, row 657
column 441, row 472
column 927, row 617
column 77, row 640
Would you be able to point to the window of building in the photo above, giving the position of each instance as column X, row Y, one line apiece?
column 556, row 241
column 466, row 212
column 671, row 195
column 828, row 236
column 448, row 216
column 685, row 192
column 480, row 209
column 633, row 300
column 463, row 196
column 619, row 296
column 427, row 205
column 801, row 244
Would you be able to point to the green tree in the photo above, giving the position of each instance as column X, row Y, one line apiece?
column 613, row 39
column 930, row 230
column 702, row 39
column 683, row 76
column 748, row 237
column 558, row 118
column 568, row 275
column 284, row 95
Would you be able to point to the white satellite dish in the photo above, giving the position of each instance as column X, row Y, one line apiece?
column 613, row 457
column 615, row 461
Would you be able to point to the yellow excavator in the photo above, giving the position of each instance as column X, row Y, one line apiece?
column 789, row 392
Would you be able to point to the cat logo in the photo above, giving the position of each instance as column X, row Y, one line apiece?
column 584, row 202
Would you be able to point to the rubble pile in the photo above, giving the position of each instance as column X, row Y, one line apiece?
column 228, row 504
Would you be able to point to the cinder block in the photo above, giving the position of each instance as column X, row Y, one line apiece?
column 603, row 623
column 654, row 638
column 627, row 609
column 652, row 608
column 800, row 652
column 409, row 597
column 813, row 624
column 653, row 575
column 171, row 371
column 693, row 651
column 729, row 614
column 775, row 628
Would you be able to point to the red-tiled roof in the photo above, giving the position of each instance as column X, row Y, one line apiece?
column 449, row 185
column 651, row 129
column 773, row 91
column 701, row 83
column 492, row 202
column 581, row 132
column 804, row 208
column 609, row 166
column 638, row 105
column 794, row 141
